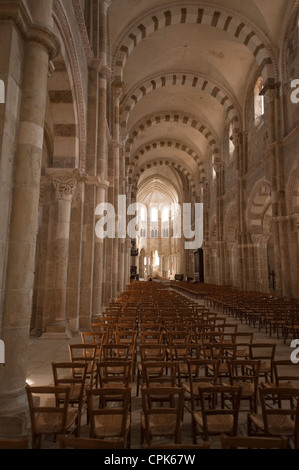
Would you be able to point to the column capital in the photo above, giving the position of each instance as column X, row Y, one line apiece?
column 45, row 37
column 259, row 239
column 119, row 88
column 65, row 187
column 14, row 10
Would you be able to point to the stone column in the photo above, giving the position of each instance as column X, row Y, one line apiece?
column 122, row 239
column 65, row 188
column 277, row 196
column 100, row 63
column 260, row 242
column 102, row 188
column 40, row 42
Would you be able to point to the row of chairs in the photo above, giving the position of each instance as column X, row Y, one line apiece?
column 271, row 313
column 130, row 337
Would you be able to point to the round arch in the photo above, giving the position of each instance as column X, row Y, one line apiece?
column 171, row 117
column 192, row 80
column 167, row 144
column 215, row 16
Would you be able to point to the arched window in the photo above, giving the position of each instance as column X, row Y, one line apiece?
column 259, row 101
column 165, row 214
column 154, row 214
column 143, row 214
column 231, row 142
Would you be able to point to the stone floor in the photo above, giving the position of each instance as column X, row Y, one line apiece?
column 43, row 352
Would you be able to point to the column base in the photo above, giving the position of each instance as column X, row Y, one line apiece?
column 14, row 427
column 56, row 332
column 14, row 415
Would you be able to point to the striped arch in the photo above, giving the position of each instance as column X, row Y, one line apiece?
column 258, row 204
column 171, row 117
column 167, row 144
column 200, row 13
column 198, row 81
column 136, row 175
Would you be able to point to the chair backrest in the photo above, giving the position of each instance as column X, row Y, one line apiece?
column 114, row 351
column 174, row 396
column 203, row 370
column 242, row 371
column 125, row 337
column 280, row 401
column 262, row 351
column 85, row 353
column 232, row 442
column 73, row 375
column 114, row 372
column 159, row 372
column 151, row 337
column 46, row 405
column 222, row 401
column 285, row 371
column 153, row 352
column 184, row 351
column 92, row 337
column 110, row 403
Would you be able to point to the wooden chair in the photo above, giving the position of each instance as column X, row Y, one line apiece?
column 286, row 374
column 160, row 375
column 201, row 373
column 217, row 413
column 224, row 352
column 115, row 352
column 182, row 353
column 114, row 374
column 73, row 375
column 128, row 338
column 229, row 442
column 150, row 352
column 264, row 352
column 161, row 421
column 279, row 414
column 85, row 353
column 89, row 443
column 109, row 414
column 245, row 373
column 48, row 418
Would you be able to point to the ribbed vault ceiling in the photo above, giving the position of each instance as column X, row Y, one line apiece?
column 185, row 68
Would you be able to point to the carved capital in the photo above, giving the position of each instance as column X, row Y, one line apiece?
column 65, row 187
column 119, row 88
